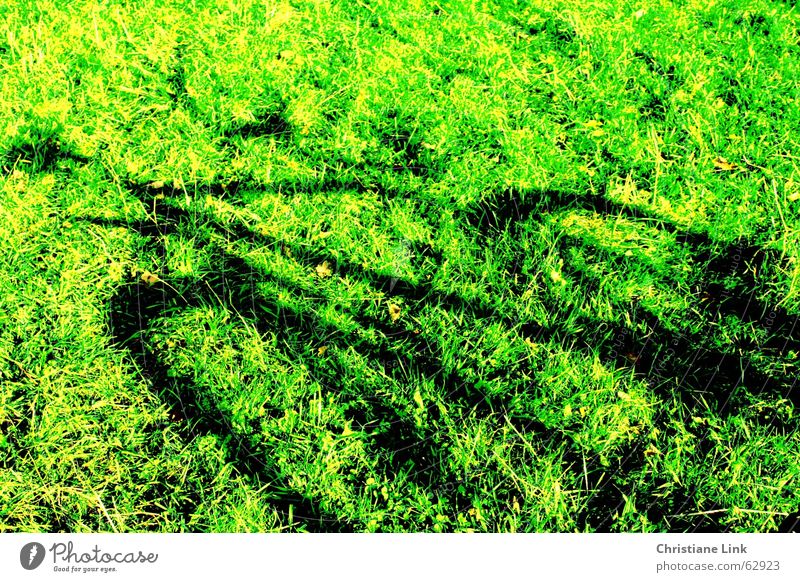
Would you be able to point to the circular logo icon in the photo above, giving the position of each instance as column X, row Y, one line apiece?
column 31, row 555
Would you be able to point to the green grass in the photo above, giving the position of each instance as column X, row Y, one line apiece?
column 399, row 266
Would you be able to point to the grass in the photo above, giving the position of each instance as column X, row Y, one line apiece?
column 396, row 266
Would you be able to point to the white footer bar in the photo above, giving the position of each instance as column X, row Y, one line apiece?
column 407, row 557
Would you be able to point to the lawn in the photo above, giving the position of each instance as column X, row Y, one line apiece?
column 399, row 266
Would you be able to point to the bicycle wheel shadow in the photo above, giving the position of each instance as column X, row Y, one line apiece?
column 138, row 306
column 132, row 312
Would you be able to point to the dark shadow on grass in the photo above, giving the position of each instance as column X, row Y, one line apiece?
column 671, row 362
column 132, row 312
column 398, row 442
column 405, row 448
column 791, row 524
column 271, row 124
column 709, row 375
column 41, row 155
column 727, row 288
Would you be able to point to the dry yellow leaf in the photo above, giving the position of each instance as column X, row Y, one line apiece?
column 651, row 450
column 394, row 311
column 723, row 165
column 150, row 278
column 324, row 269
column 321, row 350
